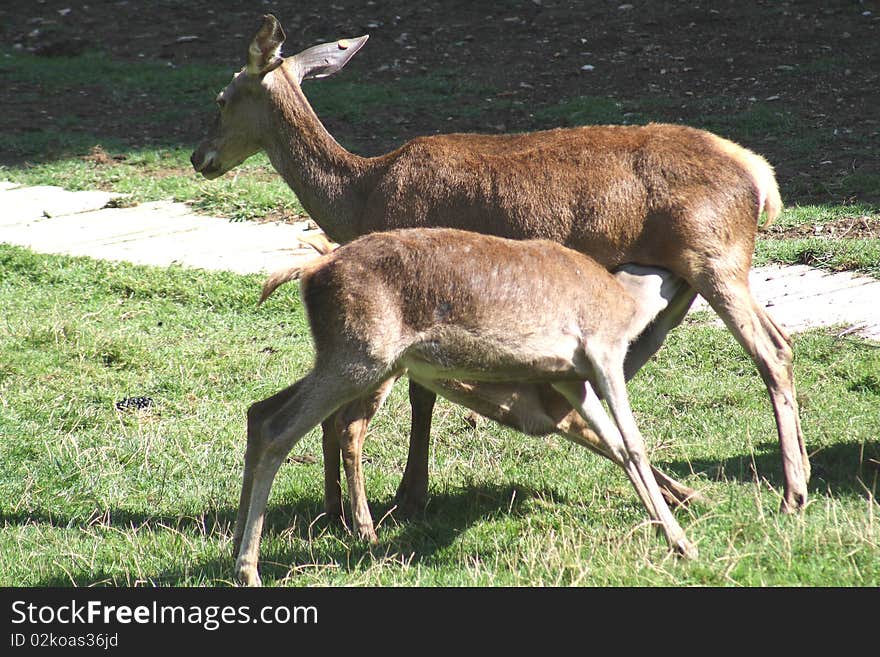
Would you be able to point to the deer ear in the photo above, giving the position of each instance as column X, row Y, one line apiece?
column 325, row 59
column 264, row 53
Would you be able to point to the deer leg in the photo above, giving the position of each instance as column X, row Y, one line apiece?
column 625, row 442
column 273, row 431
column 771, row 351
column 412, row 494
column 332, row 485
column 357, row 417
column 578, row 431
column 255, row 416
column 538, row 409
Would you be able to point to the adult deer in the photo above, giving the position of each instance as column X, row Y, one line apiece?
column 660, row 195
column 449, row 304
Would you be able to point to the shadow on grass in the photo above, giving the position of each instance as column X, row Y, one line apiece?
column 844, row 469
column 447, row 516
column 848, row 469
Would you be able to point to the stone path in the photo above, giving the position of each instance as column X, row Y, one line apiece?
column 800, row 297
column 52, row 220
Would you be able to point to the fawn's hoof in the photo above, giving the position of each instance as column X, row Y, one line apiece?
column 681, row 497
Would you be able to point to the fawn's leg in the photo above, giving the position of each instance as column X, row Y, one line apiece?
column 275, row 426
column 627, row 446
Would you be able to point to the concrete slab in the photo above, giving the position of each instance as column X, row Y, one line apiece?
column 23, row 204
column 800, row 297
column 160, row 233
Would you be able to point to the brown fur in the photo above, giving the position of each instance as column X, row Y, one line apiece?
column 620, row 193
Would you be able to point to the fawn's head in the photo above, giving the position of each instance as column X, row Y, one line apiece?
column 243, row 106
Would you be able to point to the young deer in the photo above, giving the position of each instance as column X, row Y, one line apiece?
column 658, row 195
column 532, row 408
column 445, row 304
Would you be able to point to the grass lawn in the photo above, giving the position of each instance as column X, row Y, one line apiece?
column 90, row 494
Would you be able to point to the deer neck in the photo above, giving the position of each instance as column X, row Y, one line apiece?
column 328, row 180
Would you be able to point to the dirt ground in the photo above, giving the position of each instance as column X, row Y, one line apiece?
column 818, row 60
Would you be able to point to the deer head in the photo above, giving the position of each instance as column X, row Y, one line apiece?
column 244, row 105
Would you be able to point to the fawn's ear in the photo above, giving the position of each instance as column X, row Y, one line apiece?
column 264, row 53
column 326, row 58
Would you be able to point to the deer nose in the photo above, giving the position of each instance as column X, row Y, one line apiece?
column 196, row 160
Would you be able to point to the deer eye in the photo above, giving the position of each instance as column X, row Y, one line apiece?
column 221, row 101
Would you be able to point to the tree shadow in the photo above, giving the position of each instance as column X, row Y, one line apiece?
column 101, row 72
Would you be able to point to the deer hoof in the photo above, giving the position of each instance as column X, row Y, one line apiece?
column 686, row 550
column 793, row 502
column 367, row 535
column 247, row 575
column 409, row 505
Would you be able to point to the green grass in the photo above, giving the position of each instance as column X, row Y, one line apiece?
column 583, row 110
column 860, row 255
column 253, row 191
column 175, row 93
column 353, row 100
column 832, row 253
column 161, row 92
column 800, row 215
column 147, row 78
column 89, row 494
column 57, row 152
column 751, row 123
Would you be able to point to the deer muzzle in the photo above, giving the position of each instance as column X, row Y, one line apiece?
column 206, row 163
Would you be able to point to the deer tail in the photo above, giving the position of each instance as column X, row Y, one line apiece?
column 763, row 177
column 279, row 278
